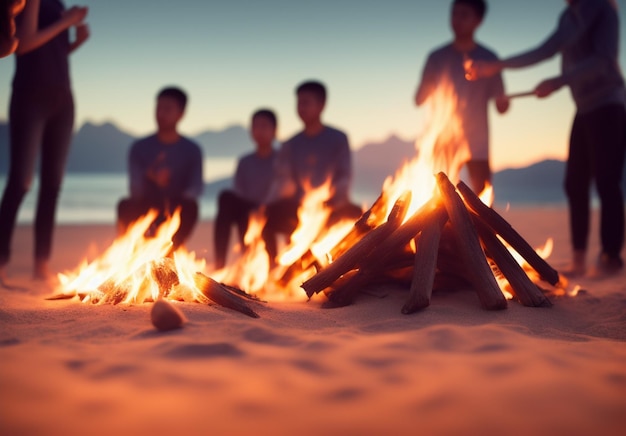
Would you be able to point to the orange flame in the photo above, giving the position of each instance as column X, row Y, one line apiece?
column 123, row 273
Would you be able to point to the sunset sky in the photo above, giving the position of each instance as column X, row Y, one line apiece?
column 233, row 57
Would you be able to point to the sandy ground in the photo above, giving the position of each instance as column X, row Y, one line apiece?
column 71, row 368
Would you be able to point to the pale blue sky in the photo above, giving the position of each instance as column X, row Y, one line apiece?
column 236, row 56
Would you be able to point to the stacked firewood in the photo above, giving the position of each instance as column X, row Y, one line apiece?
column 457, row 243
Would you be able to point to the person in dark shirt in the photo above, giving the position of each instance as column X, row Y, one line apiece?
column 253, row 177
column 41, row 119
column 587, row 37
column 165, row 171
column 311, row 158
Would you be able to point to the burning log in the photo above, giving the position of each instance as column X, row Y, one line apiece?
column 222, row 295
column 349, row 260
column 525, row 290
column 481, row 277
column 425, row 263
column 506, row 231
column 164, row 273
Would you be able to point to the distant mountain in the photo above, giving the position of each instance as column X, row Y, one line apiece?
column 375, row 161
column 103, row 148
column 230, row 142
column 541, row 182
column 99, row 149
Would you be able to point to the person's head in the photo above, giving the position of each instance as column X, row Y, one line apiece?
column 263, row 127
column 466, row 16
column 9, row 9
column 311, row 101
column 170, row 108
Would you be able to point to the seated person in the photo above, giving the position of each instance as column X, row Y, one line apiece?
column 165, row 171
column 253, row 177
column 306, row 161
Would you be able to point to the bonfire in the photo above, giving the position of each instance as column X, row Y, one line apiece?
column 427, row 228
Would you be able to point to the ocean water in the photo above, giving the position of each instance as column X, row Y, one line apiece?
column 93, row 198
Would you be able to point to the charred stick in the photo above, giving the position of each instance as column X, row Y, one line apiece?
column 472, row 254
column 349, row 260
column 222, row 296
column 506, row 231
column 399, row 239
column 525, row 290
column 425, row 263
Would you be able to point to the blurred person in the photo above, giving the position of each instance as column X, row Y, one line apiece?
column 447, row 63
column 587, row 37
column 9, row 9
column 165, row 171
column 306, row 161
column 253, row 177
column 41, row 118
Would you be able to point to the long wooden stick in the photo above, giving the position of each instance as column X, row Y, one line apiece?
column 425, row 263
column 348, row 260
column 482, row 278
column 525, row 290
column 222, row 296
column 508, row 233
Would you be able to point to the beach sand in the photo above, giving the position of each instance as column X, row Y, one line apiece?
column 71, row 368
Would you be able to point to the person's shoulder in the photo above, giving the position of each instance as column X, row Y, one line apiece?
column 485, row 53
column 190, row 144
column 146, row 141
column 441, row 51
column 335, row 132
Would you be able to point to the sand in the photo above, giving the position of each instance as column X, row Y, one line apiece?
column 70, row 368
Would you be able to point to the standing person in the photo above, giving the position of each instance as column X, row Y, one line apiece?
column 253, row 177
column 41, row 118
column 446, row 64
column 587, row 36
column 319, row 153
column 165, row 171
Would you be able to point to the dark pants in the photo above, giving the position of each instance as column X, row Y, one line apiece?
column 597, row 151
column 282, row 217
column 41, row 124
column 131, row 209
column 232, row 209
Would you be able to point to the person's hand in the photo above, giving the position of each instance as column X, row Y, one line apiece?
column 548, row 86
column 475, row 70
column 502, row 103
column 75, row 15
column 82, row 33
column 161, row 177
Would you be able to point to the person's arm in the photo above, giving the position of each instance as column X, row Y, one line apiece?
column 238, row 183
column 343, row 172
column 136, row 176
column 82, row 35
column 29, row 34
column 497, row 91
column 283, row 184
column 196, row 181
column 427, row 83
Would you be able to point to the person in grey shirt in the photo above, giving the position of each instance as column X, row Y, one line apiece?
column 318, row 154
column 165, row 172
column 587, row 37
column 445, row 65
column 254, row 174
